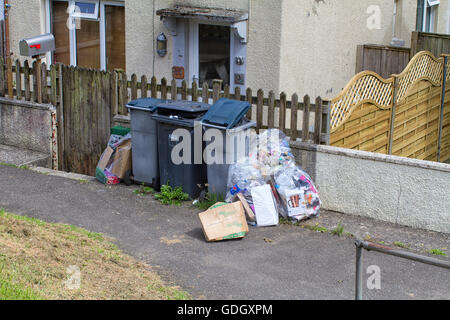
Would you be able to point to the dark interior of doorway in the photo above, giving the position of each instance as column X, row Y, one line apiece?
column 214, row 54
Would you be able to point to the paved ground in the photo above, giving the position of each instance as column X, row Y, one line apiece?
column 296, row 263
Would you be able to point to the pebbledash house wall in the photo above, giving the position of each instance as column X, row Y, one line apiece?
column 303, row 46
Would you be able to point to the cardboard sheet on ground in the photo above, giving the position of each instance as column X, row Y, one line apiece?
column 224, row 221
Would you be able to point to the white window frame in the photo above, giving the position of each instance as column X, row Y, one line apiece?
column 73, row 34
column 87, row 16
column 432, row 5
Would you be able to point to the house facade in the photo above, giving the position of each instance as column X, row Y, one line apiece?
column 303, row 46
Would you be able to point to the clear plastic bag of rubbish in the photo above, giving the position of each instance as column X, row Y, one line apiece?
column 274, row 152
column 299, row 198
column 242, row 177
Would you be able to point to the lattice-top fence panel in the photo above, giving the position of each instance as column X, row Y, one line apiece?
column 366, row 86
column 422, row 67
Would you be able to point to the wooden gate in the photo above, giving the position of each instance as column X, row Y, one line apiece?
column 85, row 126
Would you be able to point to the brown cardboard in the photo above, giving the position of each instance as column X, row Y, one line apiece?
column 224, row 221
column 248, row 210
column 122, row 159
column 106, row 156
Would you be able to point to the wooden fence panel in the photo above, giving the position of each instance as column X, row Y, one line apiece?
column 383, row 60
column 435, row 43
column 417, row 123
column 361, row 115
column 445, row 146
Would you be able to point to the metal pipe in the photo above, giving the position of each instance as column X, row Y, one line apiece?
column 441, row 119
column 403, row 254
column 359, row 274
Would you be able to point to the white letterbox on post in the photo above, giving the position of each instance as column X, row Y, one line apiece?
column 37, row 46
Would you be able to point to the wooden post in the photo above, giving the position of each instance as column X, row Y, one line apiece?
column 194, row 91
column 249, row 99
column 44, row 87
column 392, row 119
column 38, row 75
column 164, row 88
column 9, row 76
column 114, row 94
column 294, row 112
column 18, row 81
column 184, row 90
column 26, row 80
column 144, row 87
column 282, row 113
column 60, row 120
column 2, row 77
column 306, row 109
column 154, row 87
column 134, row 86
column 271, row 111
column 205, row 92
column 259, row 109
column 318, row 121
column 441, row 117
column 173, row 90
column 217, row 87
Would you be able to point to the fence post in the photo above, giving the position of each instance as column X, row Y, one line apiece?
column 9, row 76
column 392, row 121
column 318, row 121
column 217, row 87
column 441, row 119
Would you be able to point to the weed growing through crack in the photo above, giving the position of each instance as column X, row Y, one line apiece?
column 143, row 190
column 401, row 245
column 339, row 230
column 171, row 196
column 437, row 252
column 209, row 201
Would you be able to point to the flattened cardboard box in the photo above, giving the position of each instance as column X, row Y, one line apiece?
column 224, row 221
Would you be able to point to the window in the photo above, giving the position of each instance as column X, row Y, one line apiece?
column 88, row 34
column 85, row 9
column 427, row 15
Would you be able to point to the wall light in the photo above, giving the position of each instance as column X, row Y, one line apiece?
column 161, row 45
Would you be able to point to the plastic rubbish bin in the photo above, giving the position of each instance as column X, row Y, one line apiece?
column 170, row 117
column 228, row 117
column 144, row 141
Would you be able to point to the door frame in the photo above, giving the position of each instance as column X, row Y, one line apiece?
column 193, row 54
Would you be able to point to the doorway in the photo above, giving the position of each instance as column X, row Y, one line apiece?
column 214, row 53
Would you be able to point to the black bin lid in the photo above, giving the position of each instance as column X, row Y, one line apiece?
column 183, row 107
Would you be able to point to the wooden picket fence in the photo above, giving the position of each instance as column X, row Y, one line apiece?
column 406, row 115
column 88, row 100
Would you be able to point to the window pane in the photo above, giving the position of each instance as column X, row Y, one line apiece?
column 115, row 37
column 61, row 33
column 88, row 44
column 86, row 7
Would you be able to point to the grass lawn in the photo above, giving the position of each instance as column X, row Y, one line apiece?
column 40, row 260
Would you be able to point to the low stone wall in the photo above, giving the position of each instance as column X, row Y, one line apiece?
column 399, row 190
column 29, row 126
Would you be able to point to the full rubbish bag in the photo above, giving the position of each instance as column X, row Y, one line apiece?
column 273, row 163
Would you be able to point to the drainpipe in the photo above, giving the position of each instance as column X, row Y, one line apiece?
column 396, row 42
column 6, row 30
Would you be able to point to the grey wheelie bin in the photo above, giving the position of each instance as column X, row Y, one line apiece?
column 186, row 174
column 144, row 141
column 228, row 116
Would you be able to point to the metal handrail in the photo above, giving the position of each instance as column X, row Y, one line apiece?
column 360, row 245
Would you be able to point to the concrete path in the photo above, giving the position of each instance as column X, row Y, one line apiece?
column 284, row 262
